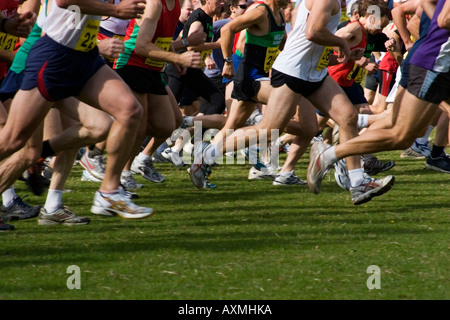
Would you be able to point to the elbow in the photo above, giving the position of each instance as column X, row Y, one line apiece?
column 310, row 34
column 140, row 50
column 443, row 22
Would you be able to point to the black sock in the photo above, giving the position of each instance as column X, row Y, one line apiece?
column 436, row 151
column 47, row 150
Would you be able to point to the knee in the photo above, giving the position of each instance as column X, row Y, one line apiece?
column 130, row 111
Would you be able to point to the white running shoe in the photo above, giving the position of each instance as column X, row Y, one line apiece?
column 95, row 165
column 371, row 188
column 317, row 169
column 291, row 179
column 147, row 170
column 173, row 157
column 341, row 175
column 264, row 173
column 86, row 176
column 128, row 181
column 118, row 203
column 198, row 171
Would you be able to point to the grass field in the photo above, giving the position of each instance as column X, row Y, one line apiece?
column 244, row 240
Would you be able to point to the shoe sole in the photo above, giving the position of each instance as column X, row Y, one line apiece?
column 54, row 223
column 197, row 183
column 429, row 166
column 288, row 184
column 125, row 215
column 382, row 190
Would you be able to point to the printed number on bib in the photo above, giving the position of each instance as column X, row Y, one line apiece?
column 88, row 37
column 164, row 44
column 324, row 58
column 7, row 41
column 271, row 55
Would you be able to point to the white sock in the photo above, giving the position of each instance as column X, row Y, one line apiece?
column 424, row 139
column 363, row 121
column 126, row 173
column 177, row 147
column 286, row 174
column 356, row 176
column 8, row 196
column 54, row 200
column 329, row 156
column 142, row 157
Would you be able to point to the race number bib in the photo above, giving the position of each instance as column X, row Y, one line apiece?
column 324, row 58
column 7, row 41
column 357, row 74
column 205, row 54
column 164, row 44
column 88, row 37
column 271, row 55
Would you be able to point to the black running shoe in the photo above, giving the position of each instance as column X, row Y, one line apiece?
column 372, row 166
column 19, row 210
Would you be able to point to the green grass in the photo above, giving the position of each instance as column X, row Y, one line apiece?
column 244, row 240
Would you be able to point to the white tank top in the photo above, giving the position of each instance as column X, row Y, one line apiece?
column 302, row 58
column 115, row 25
column 71, row 28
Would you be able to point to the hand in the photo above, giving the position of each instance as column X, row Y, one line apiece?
column 228, row 71
column 356, row 54
column 111, row 47
column 130, row 9
column 210, row 63
column 390, row 44
column 21, row 25
column 191, row 59
column 343, row 53
column 372, row 68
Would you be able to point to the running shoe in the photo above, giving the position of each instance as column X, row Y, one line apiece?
column 291, row 179
column 422, row 148
column 410, row 153
column 173, row 157
column 199, row 171
column 341, row 175
column 147, row 170
column 86, row 176
column 370, row 188
column 95, row 165
column 373, row 166
column 34, row 180
column 317, row 169
column 128, row 181
column 441, row 163
column 19, row 210
column 63, row 215
column 5, row 226
column 260, row 174
column 118, row 203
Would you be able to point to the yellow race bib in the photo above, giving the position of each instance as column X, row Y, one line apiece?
column 88, row 38
column 324, row 60
column 271, row 55
column 7, row 41
column 164, row 44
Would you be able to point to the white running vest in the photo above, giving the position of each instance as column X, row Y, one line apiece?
column 302, row 58
column 115, row 25
column 71, row 28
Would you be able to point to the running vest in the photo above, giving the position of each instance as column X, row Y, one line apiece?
column 162, row 38
column 302, row 58
column 207, row 23
column 21, row 56
column 260, row 51
column 434, row 51
column 71, row 28
column 346, row 73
